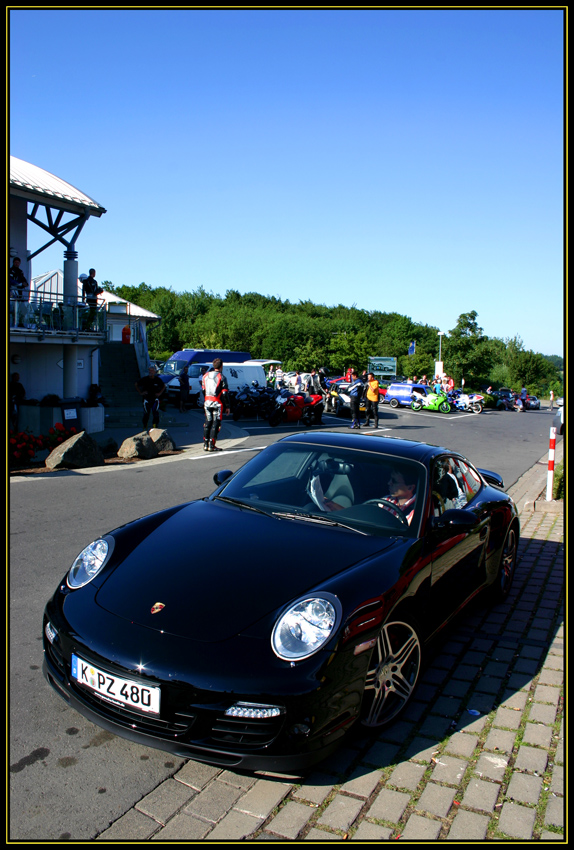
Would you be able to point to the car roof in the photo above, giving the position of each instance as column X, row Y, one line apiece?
column 396, row 446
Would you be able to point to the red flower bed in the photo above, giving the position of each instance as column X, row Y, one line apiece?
column 22, row 446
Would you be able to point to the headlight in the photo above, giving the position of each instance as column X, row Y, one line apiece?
column 305, row 627
column 89, row 563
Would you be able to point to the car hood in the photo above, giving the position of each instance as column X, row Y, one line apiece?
column 217, row 569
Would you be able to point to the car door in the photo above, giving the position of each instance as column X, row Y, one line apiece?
column 458, row 559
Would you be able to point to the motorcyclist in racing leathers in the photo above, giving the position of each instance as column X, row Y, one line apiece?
column 214, row 384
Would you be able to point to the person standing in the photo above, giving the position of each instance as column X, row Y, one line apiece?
column 150, row 387
column 313, row 383
column 324, row 389
column 19, row 291
column 183, row 389
column 551, row 399
column 355, row 394
column 16, row 394
column 90, row 292
column 17, row 280
column 279, row 378
column 372, row 403
column 216, row 401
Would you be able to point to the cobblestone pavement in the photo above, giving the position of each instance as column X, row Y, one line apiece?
column 479, row 754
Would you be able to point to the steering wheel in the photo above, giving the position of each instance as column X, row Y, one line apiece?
column 391, row 507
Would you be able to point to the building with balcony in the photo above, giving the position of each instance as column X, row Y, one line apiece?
column 55, row 338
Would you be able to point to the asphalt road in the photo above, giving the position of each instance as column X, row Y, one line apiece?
column 70, row 779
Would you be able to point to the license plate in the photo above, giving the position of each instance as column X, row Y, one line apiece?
column 124, row 692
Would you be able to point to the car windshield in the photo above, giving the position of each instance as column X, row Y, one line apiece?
column 369, row 492
column 174, row 367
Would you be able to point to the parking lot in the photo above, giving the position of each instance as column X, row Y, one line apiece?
column 442, row 771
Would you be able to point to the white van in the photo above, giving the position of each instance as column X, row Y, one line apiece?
column 237, row 374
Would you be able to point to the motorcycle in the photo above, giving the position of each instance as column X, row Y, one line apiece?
column 341, row 400
column 295, row 408
column 468, row 402
column 431, row 401
column 253, row 401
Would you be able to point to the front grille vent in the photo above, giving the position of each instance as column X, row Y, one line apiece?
column 246, row 732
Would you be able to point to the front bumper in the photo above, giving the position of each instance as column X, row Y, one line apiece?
column 193, row 723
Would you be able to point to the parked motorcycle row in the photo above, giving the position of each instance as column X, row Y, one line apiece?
column 277, row 406
column 445, row 402
column 282, row 406
column 253, row 401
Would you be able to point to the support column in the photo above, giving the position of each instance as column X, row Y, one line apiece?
column 71, row 298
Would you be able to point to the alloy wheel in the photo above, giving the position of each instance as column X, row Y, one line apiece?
column 507, row 563
column 396, row 663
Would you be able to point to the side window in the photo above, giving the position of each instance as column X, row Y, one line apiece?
column 468, row 478
column 448, row 488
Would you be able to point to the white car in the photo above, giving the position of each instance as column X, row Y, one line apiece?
column 289, row 379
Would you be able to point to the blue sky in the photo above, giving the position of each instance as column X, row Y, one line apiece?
column 399, row 160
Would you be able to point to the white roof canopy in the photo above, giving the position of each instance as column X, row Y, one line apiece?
column 40, row 186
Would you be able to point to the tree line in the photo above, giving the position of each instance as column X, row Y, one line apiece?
column 306, row 334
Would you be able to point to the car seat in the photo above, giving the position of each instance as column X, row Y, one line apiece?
column 339, row 489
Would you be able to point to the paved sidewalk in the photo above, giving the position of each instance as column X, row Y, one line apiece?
column 478, row 755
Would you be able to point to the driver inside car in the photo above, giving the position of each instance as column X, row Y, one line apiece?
column 402, row 494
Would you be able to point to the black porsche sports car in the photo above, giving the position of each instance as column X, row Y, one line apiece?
column 318, row 572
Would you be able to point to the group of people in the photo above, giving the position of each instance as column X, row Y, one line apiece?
column 444, row 384
column 20, row 291
column 363, row 389
column 215, row 404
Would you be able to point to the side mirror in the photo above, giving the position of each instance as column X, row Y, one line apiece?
column 492, row 478
column 222, row 476
column 455, row 521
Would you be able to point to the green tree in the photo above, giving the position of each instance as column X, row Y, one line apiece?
column 467, row 351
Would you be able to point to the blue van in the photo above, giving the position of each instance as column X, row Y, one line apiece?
column 173, row 366
column 400, row 393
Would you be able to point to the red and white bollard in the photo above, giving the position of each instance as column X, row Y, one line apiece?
column 551, row 453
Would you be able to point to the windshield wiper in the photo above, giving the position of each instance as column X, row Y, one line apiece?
column 241, row 504
column 319, row 518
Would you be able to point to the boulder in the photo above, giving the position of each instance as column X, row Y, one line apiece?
column 79, row 452
column 140, row 445
column 162, row 440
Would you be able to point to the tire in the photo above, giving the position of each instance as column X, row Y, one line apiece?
column 476, row 407
column 394, row 402
column 393, row 674
column 444, row 407
column 507, row 566
column 416, row 405
column 275, row 418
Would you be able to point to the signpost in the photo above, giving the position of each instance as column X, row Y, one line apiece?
column 383, row 367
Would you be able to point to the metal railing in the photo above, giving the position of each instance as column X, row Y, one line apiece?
column 49, row 312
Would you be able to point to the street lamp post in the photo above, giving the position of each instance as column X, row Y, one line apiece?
column 440, row 336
